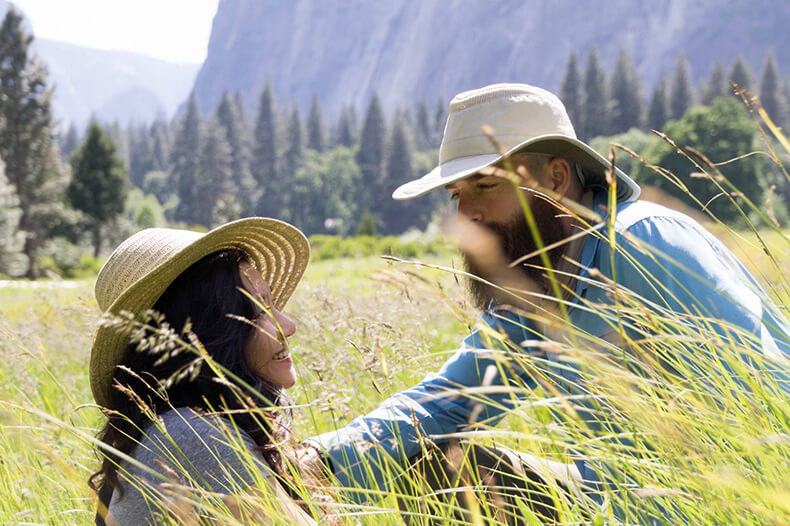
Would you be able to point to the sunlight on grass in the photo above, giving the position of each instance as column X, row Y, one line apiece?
column 700, row 439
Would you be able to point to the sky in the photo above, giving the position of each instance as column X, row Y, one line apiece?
column 172, row 30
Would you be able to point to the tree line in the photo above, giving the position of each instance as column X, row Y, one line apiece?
column 63, row 192
column 602, row 104
column 327, row 178
column 207, row 169
column 710, row 118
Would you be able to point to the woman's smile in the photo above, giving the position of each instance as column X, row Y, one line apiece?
column 281, row 356
column 268, row 353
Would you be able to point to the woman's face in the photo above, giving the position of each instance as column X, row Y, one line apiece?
column 267, row 350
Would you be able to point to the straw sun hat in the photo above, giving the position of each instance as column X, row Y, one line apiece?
column 143, row 266
column 522, row 118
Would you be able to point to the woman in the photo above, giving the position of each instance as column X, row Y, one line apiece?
column 197, row 423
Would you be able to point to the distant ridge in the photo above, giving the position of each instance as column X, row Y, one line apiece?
column 410, row 49
column 112, row 85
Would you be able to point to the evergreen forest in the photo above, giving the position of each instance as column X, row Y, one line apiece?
column 67, row 194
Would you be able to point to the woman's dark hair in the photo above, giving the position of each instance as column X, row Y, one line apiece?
column 207, row 296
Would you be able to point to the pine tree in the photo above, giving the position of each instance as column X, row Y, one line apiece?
column 70, row 142
column 626, row 95
column 440, row 117
column 353, row 120
column 571, row 91
column 99, row 184
column 657, row 113
column 264, row 156
column 741, row 74
column 32, row 163
column 234, row 132
column 160, row 134
column 141, row 154
column 424, row 132
column 217, row 198
column 404, row 114
column 595, row 114
column 398, row 216
column 716, row 86
column 680, row 92
column 122, row 140
column 315, row 127
column 344, row 133
column 185, row 162
column 11, row 239
column 294, row 151
column 241, row 111
column 247, row 129
column 771, row 96
column 370, row 156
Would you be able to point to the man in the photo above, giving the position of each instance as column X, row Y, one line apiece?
column 575, row 258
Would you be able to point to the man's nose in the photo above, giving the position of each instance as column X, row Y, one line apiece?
column 468, row 209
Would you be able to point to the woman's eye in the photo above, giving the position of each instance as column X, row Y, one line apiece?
column 264, row 305
column 453, row 197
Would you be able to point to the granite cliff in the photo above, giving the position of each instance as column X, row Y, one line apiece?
column 408, row 49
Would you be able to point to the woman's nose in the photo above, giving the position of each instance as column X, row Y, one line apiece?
column 287, row 325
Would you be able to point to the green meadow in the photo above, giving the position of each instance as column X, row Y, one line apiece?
column 365, row 329
column 698, row 437
column 369, row 327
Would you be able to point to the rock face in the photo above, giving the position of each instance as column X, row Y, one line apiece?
column 342, row 50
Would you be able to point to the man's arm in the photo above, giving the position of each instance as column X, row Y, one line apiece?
column 476, row 385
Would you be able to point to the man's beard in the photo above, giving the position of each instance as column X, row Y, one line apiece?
column 516, row 241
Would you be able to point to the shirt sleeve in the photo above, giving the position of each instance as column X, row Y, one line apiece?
column 477, row 385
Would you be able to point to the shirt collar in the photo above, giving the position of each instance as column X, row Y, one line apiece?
column 591, row 246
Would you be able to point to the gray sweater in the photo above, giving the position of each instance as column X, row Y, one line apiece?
column 186, row 451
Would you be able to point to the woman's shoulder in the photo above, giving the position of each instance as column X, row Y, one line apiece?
column 186, row 447
column 188, row 423
column 191, row 430
column 197, row 442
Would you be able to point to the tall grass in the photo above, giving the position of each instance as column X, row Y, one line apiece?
column 363, row 331
column 681, row 437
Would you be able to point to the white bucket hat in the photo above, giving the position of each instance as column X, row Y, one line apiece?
column 143, row 266
column 522, row 118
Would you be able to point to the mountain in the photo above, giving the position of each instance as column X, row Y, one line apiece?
column 343, row 50
column 111, row 85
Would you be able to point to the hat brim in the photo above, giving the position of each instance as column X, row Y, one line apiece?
column 593, row 163
column 280, row 251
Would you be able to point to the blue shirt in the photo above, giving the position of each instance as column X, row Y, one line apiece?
column 664, row 257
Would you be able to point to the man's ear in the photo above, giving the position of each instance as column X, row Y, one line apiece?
column 559, row 171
